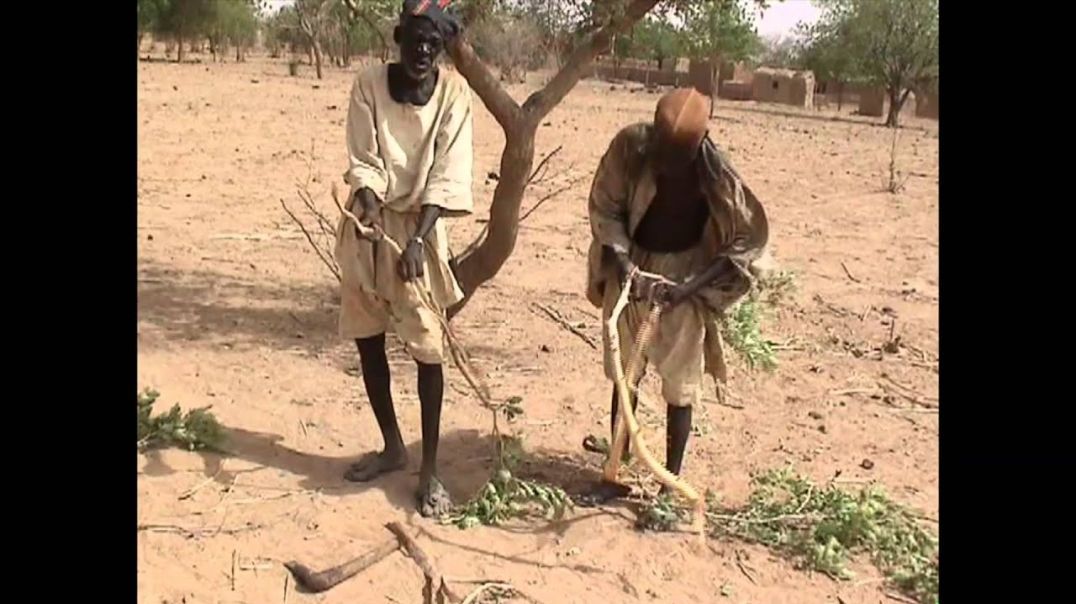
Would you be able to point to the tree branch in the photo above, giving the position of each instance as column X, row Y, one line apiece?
column 543, row 101
column 357, row 12
column 496, row 99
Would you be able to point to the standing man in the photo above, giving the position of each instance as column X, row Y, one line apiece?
column 667, row 201
column 409, row 138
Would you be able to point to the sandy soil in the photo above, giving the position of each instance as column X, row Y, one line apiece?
column 236, row 312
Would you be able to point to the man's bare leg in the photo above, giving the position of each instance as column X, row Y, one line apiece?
column 677, row 430
column 378, row 382
column 433, row 499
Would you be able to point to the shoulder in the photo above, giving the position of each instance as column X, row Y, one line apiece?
column 632, row 141
column 717, row 161
column 635, row 135
column 369, row 77
column 454, row 85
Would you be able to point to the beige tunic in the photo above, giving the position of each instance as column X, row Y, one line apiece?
column 410, row 157
column 688, row 339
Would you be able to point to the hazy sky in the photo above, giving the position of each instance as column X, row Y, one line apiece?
column 781, row 17
column 778, row 20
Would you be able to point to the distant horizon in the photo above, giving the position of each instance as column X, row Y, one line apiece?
column 778, row 21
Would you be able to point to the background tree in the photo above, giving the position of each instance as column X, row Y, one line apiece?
column 887, row 43
column 185, row 21
column 823, row 51
column 234, row 23
column 511, row 41
column 150, row 15
column 314, row 18
column 783, row 52
column 282, row 32
column 656, row 39
column 720, row 31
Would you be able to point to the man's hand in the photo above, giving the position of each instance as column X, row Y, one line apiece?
column 649, row 286
column 645, row 286
column 410, row 265
column 676, row 294
column 367, row 208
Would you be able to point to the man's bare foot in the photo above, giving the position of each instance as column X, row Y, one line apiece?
column 602, row 493
column 372, row 465
column 433, row 499
column 595, row 444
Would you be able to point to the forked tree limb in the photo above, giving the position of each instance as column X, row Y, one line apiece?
column 485, row 256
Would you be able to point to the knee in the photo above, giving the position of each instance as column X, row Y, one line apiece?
column 372, row 347
column 679, row 394
column 428, row 368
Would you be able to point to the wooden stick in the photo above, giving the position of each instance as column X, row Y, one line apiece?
column 188, row 493
column 435, row 583
column 542, row 164
column 848, row 272
column 560, row 320
column 310, row 239
column 626, row 416
column 325, row 580
column 192, row 533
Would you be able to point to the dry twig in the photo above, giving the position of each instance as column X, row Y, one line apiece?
column 849, row 273
column 557, row 318
column 323, row 255
column 200, row 532
column 534, row 178
column 436, row 590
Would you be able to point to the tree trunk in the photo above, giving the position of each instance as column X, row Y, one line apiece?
column 840, row 95
column 715, row 83
column 488, row 253
column 317, row 56
column 179, row 45
column 309, row 54
column 347, row 51
column 238, row 53
column 896, row 103
column 139, row 43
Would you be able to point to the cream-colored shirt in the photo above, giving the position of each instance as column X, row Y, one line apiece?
column 409, row 156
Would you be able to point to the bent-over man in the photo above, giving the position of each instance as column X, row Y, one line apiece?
column 665, row 199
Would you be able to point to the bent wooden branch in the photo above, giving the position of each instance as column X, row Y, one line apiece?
column 626, row 415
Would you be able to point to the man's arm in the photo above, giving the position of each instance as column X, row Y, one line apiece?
column 449, row 184
column 607, row 206
column 366, row 171
column 448, row 188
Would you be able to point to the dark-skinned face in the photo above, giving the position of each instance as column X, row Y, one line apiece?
column 420, row 45
column 672, row 158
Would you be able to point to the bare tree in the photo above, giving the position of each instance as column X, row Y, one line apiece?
column 314, row 17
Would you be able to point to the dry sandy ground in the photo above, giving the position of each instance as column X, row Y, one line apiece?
column 236, row 312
